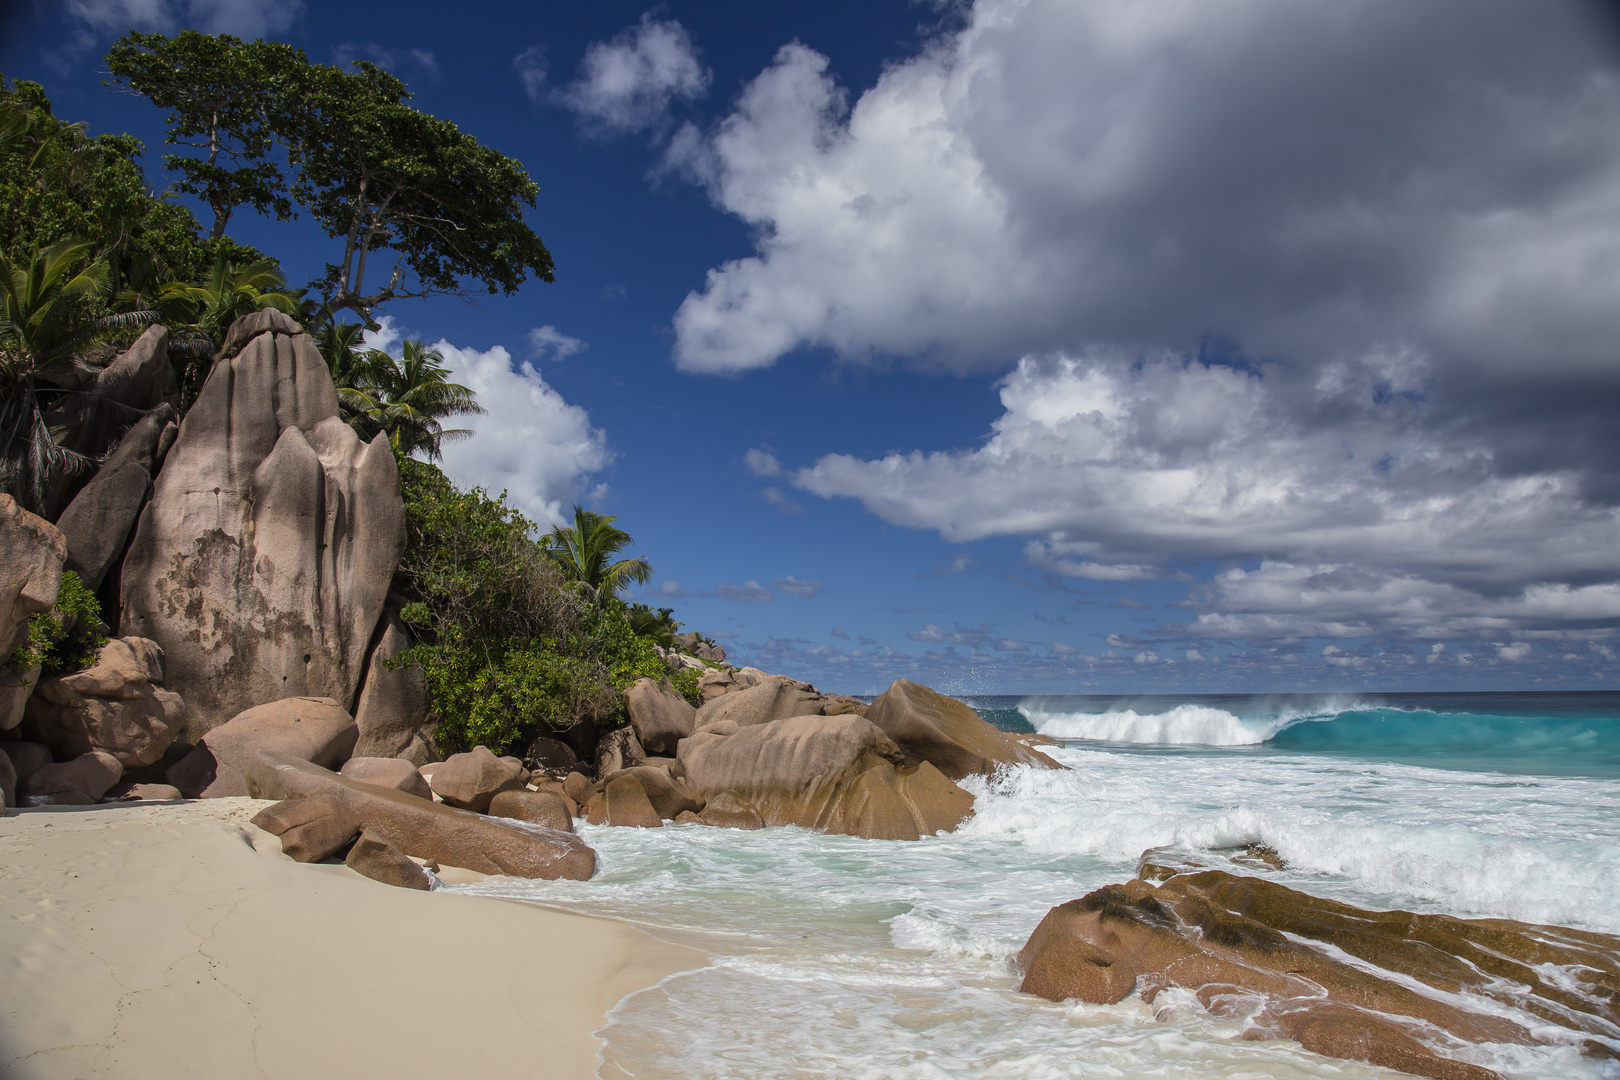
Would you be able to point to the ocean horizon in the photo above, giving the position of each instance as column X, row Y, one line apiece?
column 834, row 956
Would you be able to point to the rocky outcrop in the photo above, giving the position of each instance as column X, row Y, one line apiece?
column 79, row 782
column 98, row 521
column 388, row 773
column 626, row 804
column 308, row 729
column 469, row 781
column 117, row 705
column 1387, row 987
column 834, row 773
column 727, row 811
column 310, row 829
column 660, row 716
column 668, row 796
column 262, row 561
column 928, row 726
column 32, row 551
column 394, row 702
column 427, row 830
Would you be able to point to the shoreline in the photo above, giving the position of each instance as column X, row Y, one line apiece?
column 155, row 940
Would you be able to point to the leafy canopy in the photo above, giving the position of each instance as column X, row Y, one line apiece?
column 584, row 549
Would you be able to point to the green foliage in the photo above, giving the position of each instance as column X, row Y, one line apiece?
column 660, row 626
column 374, row 173
column 583, row 550
column 685, row 682
column 404, row 399
column 66, row 638
column 508, row 647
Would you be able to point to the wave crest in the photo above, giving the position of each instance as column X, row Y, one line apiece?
column 1183, row 725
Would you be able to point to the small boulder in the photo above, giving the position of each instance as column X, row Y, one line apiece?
column 668, row 764
column 576, row 787
column 537, row 807
column 82, row 781
column 668, row 796
column 151, row 793
column 316, row 730
column 115, row 705
column 595, row 809
column 310, row 829
column 716, row 683
column 660, row 716
column 727, row 811
column 388, row 773
column 686, row 817
column 556, row 788
column 381, row 861
column 627, row 804
column 469, row 781
column 8, row 781
column 928, row 726
column 619, row 749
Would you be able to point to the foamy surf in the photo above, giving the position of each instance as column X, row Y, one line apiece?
column 1184, row 725
column 841, row 957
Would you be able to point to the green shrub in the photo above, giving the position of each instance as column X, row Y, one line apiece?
column 66, row 638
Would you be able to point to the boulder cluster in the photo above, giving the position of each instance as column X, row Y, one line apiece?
column 1392, row 988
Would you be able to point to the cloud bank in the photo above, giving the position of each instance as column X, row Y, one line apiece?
column 629, row 83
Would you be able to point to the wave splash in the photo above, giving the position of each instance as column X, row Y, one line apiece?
column 1183, row 725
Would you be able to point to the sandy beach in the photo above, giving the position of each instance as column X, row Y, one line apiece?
column 176, row 940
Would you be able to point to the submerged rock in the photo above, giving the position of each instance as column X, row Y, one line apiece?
column 1337, row 978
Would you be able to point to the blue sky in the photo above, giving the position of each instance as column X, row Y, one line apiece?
column 1034, row 346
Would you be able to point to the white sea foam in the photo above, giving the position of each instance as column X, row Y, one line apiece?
column 1181, row 725
column 843, row 957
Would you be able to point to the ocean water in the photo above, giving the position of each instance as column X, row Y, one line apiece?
column 840, row 957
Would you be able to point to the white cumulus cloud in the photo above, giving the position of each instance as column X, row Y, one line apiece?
column 628, row 84
column 244, row 18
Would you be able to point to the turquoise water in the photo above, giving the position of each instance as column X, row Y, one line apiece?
column 840, row 957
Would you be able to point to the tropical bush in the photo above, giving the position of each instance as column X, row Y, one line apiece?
column 64, row 639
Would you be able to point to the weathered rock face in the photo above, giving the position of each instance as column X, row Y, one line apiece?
column 627, row 804
column 669, row 797
column 471, row 780
column 8, row 781
column 118, row 705
column 660, row 716
column 310, row 829
column 928, row 726
column 394, row 704
column 1252, row 948
column 834, row 773
column 427, row 830
column 79, row 782
column 32, row 551
column 727, row 811
column 776, row 697
column 88, row 422
column 546, row 754
column 309, row 729
column 97, row 522
column 262, row 562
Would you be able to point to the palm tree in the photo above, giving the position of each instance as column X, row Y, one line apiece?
column 583, row 550
column 44, row 321
column 406, row 398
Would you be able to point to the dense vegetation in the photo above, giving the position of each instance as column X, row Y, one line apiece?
column 517, row 633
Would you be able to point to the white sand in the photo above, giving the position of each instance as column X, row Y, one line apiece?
column 155, row 941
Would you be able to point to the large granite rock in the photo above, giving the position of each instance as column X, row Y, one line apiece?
column 393, row 703
column 619, row 749
column 96, row 524
column 428, row 830
column 317, row 730
column 834, row 773
column 117, row 705
column 471, row 780
column 262, row 561
column 668, row 796
column 1388, row 987
column 32, row 551
column 775, row 697
column 928, row 726
column 660, row 716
